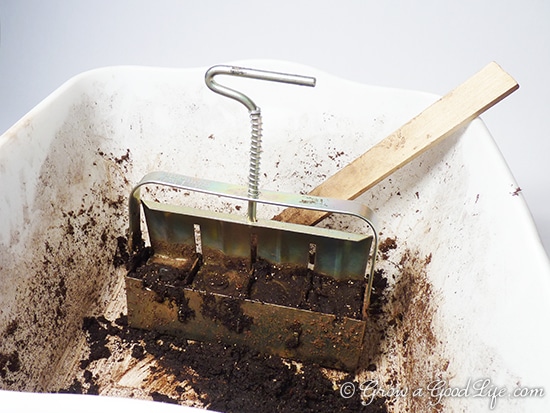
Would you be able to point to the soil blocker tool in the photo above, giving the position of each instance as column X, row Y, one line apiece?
column 280, row 288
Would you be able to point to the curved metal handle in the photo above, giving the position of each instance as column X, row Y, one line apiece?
column 255, row 114
column 252, row 74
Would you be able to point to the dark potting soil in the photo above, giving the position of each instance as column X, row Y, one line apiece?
column 303, row 288
column 227, row 378
column 287, row 285
column 230, row 378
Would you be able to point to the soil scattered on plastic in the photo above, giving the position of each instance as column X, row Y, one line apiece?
column 226, row 378
column 229, row 378
column 385, row 246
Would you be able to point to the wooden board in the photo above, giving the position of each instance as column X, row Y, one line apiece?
column 460, row 106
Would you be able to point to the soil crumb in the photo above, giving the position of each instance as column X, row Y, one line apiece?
column 387, row 245
column 9, row 363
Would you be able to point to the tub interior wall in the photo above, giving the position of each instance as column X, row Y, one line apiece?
column 61, row 260
column 111, row 135
column 58, row 263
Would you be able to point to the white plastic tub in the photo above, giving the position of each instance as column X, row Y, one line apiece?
column 469, row 282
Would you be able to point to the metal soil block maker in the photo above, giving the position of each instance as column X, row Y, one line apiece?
column 291, row 290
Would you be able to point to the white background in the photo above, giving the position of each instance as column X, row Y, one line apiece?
column 427, row 45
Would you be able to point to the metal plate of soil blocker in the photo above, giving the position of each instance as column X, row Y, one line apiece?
column 157, row 301
column 280, row 308
column 291, row 290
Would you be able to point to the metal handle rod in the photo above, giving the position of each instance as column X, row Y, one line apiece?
column 251, row 74
column 255, row 115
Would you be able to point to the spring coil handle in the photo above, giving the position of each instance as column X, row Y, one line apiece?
column 255, row 152
column 255, row 115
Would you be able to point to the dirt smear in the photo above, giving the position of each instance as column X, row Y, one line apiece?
column 401, row 348
column 57, row 279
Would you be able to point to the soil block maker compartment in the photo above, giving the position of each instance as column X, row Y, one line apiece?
column 292, row 290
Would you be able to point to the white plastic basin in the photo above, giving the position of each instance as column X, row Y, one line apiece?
column 468, row 298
